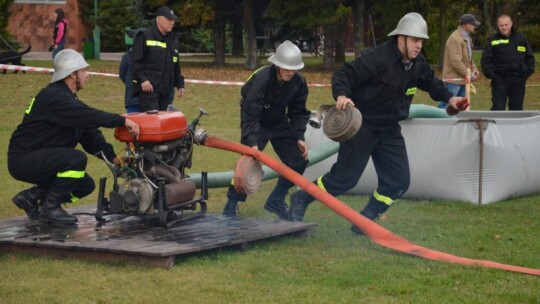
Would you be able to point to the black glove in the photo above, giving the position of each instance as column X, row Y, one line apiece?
column 51, row 48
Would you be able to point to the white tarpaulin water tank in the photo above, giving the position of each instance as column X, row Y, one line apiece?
column 479, row 157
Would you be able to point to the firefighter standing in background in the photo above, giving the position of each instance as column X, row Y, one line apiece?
column 42, row 148
column 381, row 84
column 273, row 108
column 508, row 61
column 155, row 62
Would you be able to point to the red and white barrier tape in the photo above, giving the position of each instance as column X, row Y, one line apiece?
column 195, row 81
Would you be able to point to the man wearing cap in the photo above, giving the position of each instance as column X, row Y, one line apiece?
column 273, row 108
column 381, row 84
column 42, row 148
column 155, row 60
column 508, row 61
column 458, row 57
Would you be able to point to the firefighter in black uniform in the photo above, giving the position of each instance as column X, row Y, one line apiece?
column 381, row 84
column 42, row 148
column 508, row 61
column 273, row 108
column 155, row 62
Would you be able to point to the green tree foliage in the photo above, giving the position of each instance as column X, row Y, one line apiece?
column 307, row 15
column 4, row 19
column 114, row 16
column 195, row 13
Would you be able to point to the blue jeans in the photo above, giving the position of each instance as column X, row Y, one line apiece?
column 456, row 90
column 58, row 48
column 133, row 109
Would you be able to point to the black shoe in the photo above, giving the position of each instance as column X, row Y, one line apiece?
column 298, row 207
column 369, row 214
column 357, row 230
column 51, row 210
column 57, row 215
column 28, row 200
column 279, row 208
column 230, row 207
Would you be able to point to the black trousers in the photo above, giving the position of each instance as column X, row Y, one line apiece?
column 288, row 152
column 154, row 101
column 511, row 90
column 387, row 149
column 58, row 170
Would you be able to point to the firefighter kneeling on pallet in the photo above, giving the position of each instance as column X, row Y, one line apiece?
column 42, row 148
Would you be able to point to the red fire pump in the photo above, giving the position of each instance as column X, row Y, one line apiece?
column 154, row 182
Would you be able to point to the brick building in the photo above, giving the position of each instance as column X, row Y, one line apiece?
column 32, row 23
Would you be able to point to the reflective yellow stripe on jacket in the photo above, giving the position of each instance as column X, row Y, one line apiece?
column 30, row 106
column 156, row 43
column 500, row 41
column 411, row 91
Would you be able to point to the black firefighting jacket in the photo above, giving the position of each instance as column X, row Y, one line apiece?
column 508, row 57
column 155, row 58
column 381, row 88
column 273, row 109
column 56, row 118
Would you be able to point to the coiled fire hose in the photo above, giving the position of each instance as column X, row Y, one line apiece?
column 377, row 233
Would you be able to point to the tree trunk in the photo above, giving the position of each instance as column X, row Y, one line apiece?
column 442, row 31
column 329, row 44
column 488, row 11
column 251, row 39
column 219, row 37
column 358, row 19
column 340, row 44
column 237, row 37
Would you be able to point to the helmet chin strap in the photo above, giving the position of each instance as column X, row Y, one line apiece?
column 406, row 50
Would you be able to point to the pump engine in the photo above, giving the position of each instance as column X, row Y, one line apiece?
column 150, row 179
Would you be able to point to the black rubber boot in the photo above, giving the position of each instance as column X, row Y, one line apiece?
column 230, row 207
column 51, row 211
column 372, row 211
column 278, row 207
column 28, row 200
column 367, row 213
column 300, row 200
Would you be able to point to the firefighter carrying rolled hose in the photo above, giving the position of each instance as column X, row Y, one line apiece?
column 381, row 84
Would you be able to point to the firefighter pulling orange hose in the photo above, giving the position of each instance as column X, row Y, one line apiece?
column 374, row 231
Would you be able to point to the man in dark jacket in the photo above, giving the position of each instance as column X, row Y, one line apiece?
column 42, row 148
column 273, row 108
column 131, row 100
column 156, row 66
column 508, row 61
column 381, row 84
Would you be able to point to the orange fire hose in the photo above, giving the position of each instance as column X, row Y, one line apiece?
column 374, row 231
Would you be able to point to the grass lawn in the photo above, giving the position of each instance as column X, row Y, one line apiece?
column 331, row 266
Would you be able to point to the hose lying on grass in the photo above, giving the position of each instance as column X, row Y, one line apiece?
column 377, row 233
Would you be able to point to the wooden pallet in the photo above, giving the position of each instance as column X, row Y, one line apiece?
column 137, row 239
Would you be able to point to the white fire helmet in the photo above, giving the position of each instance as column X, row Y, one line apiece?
column 412, row 24
column 288, row 56
column 66, row 62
